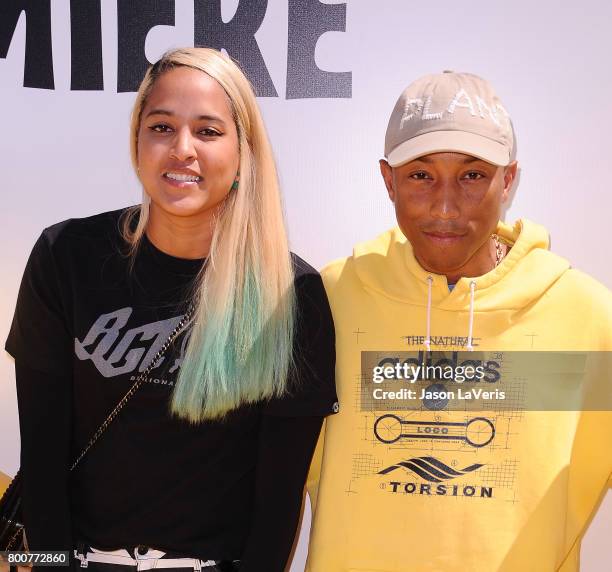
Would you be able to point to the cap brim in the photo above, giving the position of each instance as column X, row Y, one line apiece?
column 450, row 141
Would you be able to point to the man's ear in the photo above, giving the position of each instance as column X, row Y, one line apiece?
column 509, row 176
column 387, row 174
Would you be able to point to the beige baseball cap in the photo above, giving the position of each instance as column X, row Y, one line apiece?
column 449, row 112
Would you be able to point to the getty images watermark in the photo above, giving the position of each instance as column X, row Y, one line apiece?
column 452, row 380
column 454, row 373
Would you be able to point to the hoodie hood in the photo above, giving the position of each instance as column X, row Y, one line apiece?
column 387, row 265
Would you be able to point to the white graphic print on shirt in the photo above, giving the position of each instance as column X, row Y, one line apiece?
column 129, row 353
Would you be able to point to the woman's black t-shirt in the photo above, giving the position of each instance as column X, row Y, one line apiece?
column 87, row 317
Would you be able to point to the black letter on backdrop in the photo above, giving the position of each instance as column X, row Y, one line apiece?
column 38, row 67
column 86, row 45
column 237, row 37
column 308, row 21
column 135, row 19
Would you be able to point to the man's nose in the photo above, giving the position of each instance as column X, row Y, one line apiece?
column 445, row 204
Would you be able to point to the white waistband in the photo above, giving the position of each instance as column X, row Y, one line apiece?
column 149, row 561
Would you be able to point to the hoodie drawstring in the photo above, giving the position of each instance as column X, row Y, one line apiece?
column 469, row 346
column 428, row 334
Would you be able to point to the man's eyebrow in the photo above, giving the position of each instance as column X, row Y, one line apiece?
column 429, row 160
column 206, row 117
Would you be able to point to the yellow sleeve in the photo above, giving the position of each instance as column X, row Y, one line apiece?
column 314, row 474
column 5, row 480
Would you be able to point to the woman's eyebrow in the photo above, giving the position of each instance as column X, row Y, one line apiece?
column 205, row 117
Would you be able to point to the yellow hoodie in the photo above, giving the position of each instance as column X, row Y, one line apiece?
column 520, row 503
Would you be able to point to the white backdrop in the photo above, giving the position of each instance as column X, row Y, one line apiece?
column 65, row 153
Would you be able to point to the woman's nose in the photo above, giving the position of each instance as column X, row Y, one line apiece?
column 183, row 148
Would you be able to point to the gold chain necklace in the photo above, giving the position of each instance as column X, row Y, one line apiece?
column 499, row 252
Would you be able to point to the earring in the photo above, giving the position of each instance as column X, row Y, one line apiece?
column 235, row 183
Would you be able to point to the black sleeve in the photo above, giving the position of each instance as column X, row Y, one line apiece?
column 39, row 335
column 41, row 344
column 45, row 424
column 286, row 445
column 311, row 388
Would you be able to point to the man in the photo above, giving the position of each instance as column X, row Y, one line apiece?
column 421, row 482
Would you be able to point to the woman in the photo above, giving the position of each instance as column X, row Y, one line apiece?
column 205, row 466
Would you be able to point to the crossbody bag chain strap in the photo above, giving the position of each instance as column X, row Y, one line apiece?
column 139, row 380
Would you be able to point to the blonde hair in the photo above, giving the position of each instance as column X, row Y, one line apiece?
column 241, row 344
